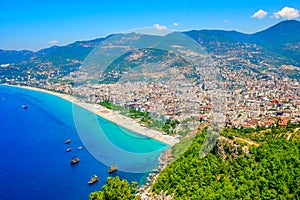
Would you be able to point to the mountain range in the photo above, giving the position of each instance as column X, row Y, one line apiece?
column 282, row 39
column 269, row 49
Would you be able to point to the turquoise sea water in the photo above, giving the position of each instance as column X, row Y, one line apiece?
column 34, row 163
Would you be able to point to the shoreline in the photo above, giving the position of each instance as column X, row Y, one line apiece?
column 110, row 115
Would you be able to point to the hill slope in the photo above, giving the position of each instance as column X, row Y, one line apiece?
column 270, row 171
column 281, row 40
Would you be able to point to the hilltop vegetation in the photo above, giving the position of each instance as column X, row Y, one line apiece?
column 115, row 189
column 262, row 134
column 269, row 171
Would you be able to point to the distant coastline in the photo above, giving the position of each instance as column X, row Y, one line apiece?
column 112, row 116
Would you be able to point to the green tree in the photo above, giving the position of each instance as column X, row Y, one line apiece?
column 115, row 189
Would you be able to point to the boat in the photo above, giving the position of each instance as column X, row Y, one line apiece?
column 79, row 148
column 69, row 149
column 67, row 141
column 112, row 169
column 74, row 160
column 94, row 179
column 24, row 106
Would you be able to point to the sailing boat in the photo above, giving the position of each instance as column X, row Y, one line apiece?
column 74, row 160
column 113, row 168
column 94, row 179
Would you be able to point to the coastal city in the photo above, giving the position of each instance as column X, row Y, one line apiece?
column 250, row 99
column 150, row 100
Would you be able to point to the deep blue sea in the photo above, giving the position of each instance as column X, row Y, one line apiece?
column 34, row 163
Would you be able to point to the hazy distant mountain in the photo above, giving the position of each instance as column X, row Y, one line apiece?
column 208, row 36
column 77, row 50
column 279, row 34
column 60, row 60
column 282, row 39
column 276, row 46
column 111, row 49
column 145, row 65
column 12, row 56
column 126, row 53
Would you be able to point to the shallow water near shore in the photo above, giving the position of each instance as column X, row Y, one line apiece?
column 34, row 162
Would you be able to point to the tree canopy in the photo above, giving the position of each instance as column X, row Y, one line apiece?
column 270, row 171
column 115, row 189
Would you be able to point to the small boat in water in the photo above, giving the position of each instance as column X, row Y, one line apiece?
column 94, row 179
column 24, row 106
column 79, row 148
column 69, row 149
column 112, row 169
column 74, row 160
column 67, row 141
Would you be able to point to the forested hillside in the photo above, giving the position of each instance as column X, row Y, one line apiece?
column 269, row 171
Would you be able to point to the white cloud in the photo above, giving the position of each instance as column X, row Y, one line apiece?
column 287, row 13
column 260, row 14
column 175, row 24
column 160, row 27
column 226, row 21
column 53, row 42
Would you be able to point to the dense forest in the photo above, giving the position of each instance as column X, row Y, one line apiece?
column 266, row 167
column 269, row 171
column 115, row 188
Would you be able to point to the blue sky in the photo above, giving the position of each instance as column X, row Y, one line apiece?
column 31, row 24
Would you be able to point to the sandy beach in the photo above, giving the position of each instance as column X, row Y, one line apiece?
column 113, row 116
